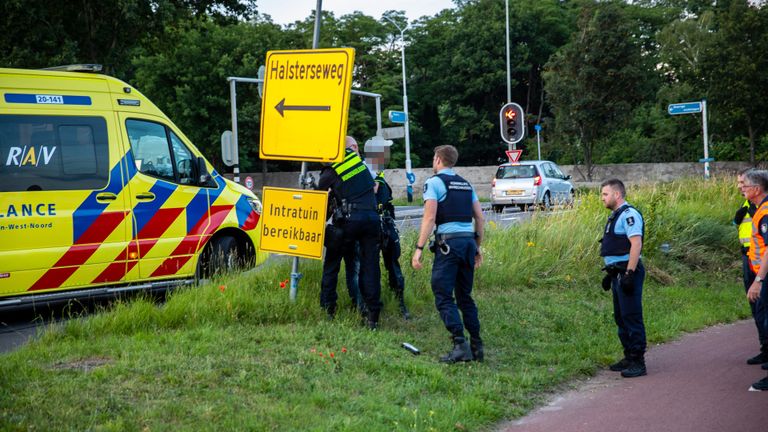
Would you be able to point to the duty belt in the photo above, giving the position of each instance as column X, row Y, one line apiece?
column 448, row 236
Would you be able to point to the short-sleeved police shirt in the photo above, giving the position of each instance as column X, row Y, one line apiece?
column 630, row 222
column 434, row 189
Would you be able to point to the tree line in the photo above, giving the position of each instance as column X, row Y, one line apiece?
column 596, row 75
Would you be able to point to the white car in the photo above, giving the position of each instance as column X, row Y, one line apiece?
column 527, row 183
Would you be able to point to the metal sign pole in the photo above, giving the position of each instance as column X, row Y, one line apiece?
column 538, row 139
column 235, row 157
column 295, row 275
column 706, row 138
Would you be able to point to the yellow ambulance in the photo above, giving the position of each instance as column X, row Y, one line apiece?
column 100, row 192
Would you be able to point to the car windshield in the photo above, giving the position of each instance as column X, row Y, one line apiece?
column 516, row 172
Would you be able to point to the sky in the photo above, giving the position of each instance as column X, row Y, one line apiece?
column 288, row 11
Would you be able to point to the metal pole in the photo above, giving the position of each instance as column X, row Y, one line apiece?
column 408, row 165
column 538, row 141
column 706, row 138
column 233, row 100
column 295, row 275
column 378, row 115
column 509, row 73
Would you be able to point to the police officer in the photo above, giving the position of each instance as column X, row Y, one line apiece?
column 622, row 244
column 743, row 220
column 351, row 185
column 377, row 157
column 755, row 189
column 450, row 203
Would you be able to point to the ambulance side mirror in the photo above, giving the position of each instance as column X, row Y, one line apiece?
column 203, row 176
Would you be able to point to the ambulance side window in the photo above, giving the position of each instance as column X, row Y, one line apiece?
column 44, row 153
column 159, row 152
column 151, row 151
column 183, row 158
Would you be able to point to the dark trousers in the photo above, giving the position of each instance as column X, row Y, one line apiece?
column 453, row 274
column 390, row 251
column 628, row 315
column 364, row 230
column 759, row 308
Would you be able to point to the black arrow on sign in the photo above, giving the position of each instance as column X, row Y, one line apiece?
column 281, row 107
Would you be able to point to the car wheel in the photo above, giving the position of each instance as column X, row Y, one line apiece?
column 546, row 202
column 571, row 199
column 498, row 208
column 223, row 256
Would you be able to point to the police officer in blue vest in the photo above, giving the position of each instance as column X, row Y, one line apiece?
column 450, row 203
column 351, row 184
column 621, row 246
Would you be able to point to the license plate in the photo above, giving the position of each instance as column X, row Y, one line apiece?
column 513, row 192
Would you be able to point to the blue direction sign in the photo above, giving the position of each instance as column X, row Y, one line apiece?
column 397, row 117
column 684, row 108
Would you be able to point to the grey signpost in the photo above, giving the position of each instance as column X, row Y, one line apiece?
column 694, row 108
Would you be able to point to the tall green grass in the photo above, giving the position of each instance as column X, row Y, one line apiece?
column 236, row 354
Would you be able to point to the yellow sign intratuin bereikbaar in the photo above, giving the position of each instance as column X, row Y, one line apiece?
column 305, row 104
column 293, row 221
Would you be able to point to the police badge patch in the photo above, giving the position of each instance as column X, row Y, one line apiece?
column 763, row 227
column 426, row 186
column 631, row 220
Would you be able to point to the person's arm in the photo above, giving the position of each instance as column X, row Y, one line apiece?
column 326, row 180
column 477, row 213
column 427, row 225
column 754, row 290
column 635, row 248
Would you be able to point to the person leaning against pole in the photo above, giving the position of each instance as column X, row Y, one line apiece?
column 756, row 190
column 450, row 204
column 620, row 248
column 743, row 220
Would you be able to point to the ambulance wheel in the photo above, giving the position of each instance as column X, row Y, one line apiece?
column 224, row 256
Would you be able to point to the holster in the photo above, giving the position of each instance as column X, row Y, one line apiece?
column 334, row 236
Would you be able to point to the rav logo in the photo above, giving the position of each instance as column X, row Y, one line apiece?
column 20, row 156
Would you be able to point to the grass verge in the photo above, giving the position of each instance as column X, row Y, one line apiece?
column 238, row 355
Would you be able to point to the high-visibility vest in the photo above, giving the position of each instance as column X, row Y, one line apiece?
column 745, row 227
column 757, row 243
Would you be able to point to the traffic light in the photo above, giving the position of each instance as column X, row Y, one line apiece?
column 512, row 123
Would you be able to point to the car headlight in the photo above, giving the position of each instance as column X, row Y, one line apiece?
column 255, row 205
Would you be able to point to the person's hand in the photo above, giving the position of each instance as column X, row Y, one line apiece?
column 754, row 291
column 416, row 260
column 478, row 259
column 627, row 282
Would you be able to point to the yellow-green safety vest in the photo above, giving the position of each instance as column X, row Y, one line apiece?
column 745, row 228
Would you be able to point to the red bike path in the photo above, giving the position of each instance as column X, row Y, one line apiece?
column 699, row 383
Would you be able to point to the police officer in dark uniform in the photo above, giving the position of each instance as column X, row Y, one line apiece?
column 621, row 246
column 390, row 242
column 377, row 158
column 450, row 203
column 351, row 185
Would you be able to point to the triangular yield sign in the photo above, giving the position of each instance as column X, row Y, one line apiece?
column 514, row 155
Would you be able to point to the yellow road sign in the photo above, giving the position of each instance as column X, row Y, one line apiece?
column 305, row 104
column 293, row 221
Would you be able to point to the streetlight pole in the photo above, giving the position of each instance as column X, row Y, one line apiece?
column 408, row 168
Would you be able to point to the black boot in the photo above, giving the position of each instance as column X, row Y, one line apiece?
column 636, row 367
column 476, row 344
column 461, row 351
column 619, row 365
column 403, row 308
column 760, row 358
column 372, row 320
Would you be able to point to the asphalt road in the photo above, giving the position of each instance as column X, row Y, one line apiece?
column 696, row 384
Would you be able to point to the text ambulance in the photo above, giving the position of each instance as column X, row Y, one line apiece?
column 100, row 191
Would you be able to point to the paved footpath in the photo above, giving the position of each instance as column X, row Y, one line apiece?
column 696, row 384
